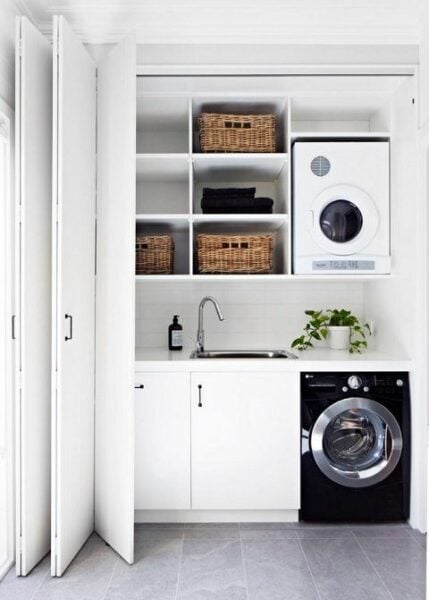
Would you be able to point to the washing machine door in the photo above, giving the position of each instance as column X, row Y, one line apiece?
column 356, row 442
column 343, row 220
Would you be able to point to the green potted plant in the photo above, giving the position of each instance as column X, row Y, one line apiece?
column 339, row 327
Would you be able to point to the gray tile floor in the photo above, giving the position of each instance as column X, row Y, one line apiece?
column 262, row 561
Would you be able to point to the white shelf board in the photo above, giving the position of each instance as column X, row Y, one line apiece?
column 241, row 218
column 240, row 227
column 340, row 134
column 223, row 218
column 265, row 277
column 238, row 167
column 164, row 278
column 162, row 218
column 162, row 167
column 332, row 277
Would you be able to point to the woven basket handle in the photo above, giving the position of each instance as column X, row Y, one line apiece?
column 235, row 244
column 228, row 124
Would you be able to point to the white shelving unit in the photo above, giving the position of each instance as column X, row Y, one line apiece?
column 172, row 171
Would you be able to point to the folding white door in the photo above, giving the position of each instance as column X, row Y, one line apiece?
column 73, row 266
column 33, row 294
column 94, row 205
column 116, row 182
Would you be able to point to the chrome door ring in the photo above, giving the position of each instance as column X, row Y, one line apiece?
column 365, row 477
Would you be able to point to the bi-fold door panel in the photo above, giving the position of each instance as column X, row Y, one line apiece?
column 33, row 159
column 74, row 180
column 116, row 189
column 63, row 210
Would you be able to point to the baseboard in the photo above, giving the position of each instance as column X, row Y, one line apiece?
column 215, row 516
column 5, row 568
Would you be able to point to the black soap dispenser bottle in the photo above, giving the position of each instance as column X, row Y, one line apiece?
column 175, row 335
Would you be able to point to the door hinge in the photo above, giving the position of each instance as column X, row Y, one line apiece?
column 95, row 248
column 19, row 213
column 19, row 546
column 19, row 380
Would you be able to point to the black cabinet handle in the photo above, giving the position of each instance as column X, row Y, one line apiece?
column 139, row 387
column 200, row 387
column 70, row 336
column 13, row 327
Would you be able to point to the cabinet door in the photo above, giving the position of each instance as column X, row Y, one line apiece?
column 245, row 441
column 115, row 360
column 163, row 420
column 74, row 156
column 33, row 161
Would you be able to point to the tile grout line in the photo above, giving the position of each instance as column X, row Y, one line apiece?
column 417, row 540
column 117, row 559
column 243, row 562
column 309, row 569
column 372, row 565
column 180, row 563
column 39, row 587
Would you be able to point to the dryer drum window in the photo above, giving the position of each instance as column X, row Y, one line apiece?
column 341, row 221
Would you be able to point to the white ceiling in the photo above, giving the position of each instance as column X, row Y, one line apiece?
column 235, row 21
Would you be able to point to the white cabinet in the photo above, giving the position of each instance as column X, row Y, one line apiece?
column 245, row 440
column 162, row 459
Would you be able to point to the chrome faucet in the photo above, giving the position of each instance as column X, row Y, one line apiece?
column 200, row 332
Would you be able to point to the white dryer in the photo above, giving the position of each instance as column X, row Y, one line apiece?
column 341, row 207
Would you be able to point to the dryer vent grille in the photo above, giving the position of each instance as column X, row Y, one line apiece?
column 320, row 166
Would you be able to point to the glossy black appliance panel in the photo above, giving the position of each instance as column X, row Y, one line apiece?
column 355, row 443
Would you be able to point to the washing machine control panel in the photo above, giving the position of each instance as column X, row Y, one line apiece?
column 331, row 385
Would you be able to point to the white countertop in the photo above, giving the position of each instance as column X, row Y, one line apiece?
column 161, row 359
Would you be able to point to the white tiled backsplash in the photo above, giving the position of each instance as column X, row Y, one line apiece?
column 257, row 314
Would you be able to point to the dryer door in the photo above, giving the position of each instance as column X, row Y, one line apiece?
column 344, row 220
column 356, row 442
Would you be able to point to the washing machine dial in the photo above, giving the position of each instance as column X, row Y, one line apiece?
column 354, row 382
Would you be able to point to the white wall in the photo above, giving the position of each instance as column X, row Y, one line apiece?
column 424, row 62
column 8, row 11
column 257, row 314
column 398, row 305
column 6, row 344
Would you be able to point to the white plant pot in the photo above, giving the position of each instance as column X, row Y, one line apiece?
column 338, row 337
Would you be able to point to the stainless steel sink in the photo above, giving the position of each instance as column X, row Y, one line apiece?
column 242, row 354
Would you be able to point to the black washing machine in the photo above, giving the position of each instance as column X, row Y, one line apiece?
column 355, row 447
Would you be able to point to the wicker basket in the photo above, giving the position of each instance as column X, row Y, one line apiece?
column 237, row 133
column 235, row 253
column 154, row 254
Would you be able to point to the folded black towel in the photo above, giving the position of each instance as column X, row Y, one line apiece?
column 237, row 205
column 229, row 192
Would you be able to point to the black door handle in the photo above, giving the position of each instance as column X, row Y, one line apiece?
column 70, row 336
column 139, row 387
column 200, row 387
column 13, row 327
